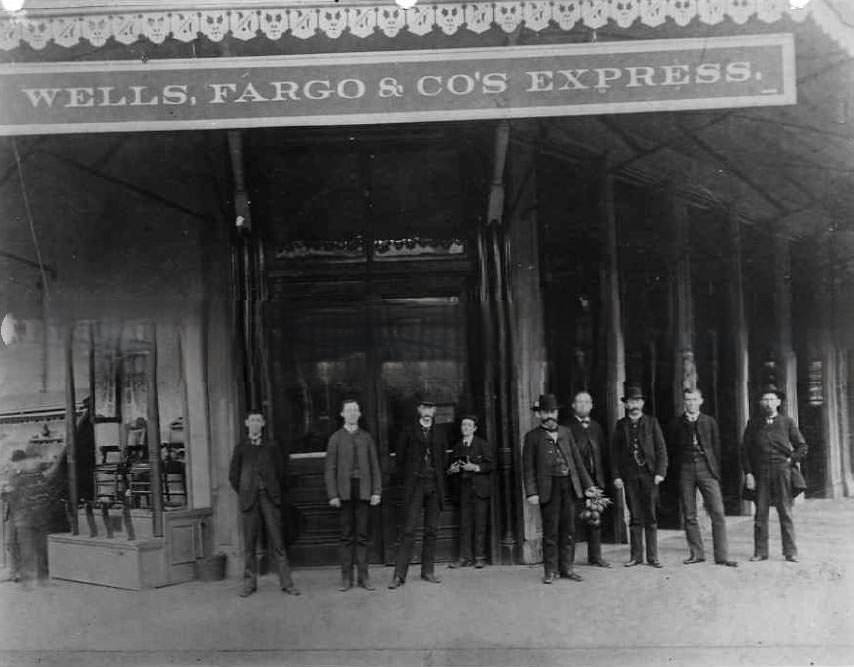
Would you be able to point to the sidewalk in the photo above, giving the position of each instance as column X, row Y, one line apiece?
column 772, row 612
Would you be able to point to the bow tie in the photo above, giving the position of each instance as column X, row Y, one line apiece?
column 255, row 441
column 584, row 421
column 467, row 443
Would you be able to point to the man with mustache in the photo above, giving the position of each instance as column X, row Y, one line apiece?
column 639, row 464
column 555, row 477
column 772, row 444
column 421, row 460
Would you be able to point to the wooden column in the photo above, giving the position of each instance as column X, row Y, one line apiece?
column 70, row 426
column 739, row 341
column 787, row 369
column 615, row 349
column 153, row 432
column 528, row 362
column 685, row 369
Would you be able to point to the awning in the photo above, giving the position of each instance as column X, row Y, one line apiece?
column 67, row 24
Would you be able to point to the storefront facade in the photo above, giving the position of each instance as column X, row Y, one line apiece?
column 395, row 217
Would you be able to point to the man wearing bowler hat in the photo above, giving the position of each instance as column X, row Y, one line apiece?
column 639, row 464
column 772, row 444
column 554, row 477
column 421, row 462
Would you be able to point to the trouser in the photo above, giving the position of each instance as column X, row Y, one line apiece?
column 266, row 511
column 641, row 495
column 774, row 487
column 474, row 512
column 593, row 534
column 353, row 520
column 28, row 549
column 695, row 474
column 558, row 515
column 423, row 496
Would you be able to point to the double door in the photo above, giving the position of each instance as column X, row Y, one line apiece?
column 382, row 352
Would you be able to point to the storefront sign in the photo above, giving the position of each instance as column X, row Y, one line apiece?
column 398, row 86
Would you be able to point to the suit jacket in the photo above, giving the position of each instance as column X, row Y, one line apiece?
column 538, row 456
column 597, row 440
column 241, row 472
column 652, row 443
column 481, row 453
column 410, row 453
column 783, row 435
column 678, row 438
column 339, row 465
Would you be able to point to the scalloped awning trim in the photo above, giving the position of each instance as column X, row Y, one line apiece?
column 301, row 22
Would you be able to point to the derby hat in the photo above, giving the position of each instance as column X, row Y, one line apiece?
column 771, row 388
column 425, row 398
column 470, row 416
column 546, row 403
column 632, row 391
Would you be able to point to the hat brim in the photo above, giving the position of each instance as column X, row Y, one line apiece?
column 625, row 399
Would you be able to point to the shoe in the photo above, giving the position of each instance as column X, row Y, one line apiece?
column 791, row 558
column 366, row 584
column 549, row 578
column 655, row 563
column 631, row 563
column 693, row 559
column 461, row 562
column 572, row 576
column 291, row 590
column 727, row 563
column 753, row 559
column 246, row 591
column 599, row 563
column 480, row 563
column 432, row 578
column 346, row 585
column 396, row 582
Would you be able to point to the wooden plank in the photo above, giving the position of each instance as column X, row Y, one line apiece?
column 70, row 425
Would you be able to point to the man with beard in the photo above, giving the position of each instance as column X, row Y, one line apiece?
column 256, row 474
column 639, row 464
column 590, row 439
column 695, row 441
column 772, row 445
column 554, row 477
column 421, row 460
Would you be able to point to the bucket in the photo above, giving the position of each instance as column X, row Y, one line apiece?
column 211, row 568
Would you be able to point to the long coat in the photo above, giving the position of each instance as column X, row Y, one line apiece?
column 539, row 453
column 678, row 438
column 651, row 441
column 410, row 453
column 481, row 453
column 597, row 441
column 241, row 472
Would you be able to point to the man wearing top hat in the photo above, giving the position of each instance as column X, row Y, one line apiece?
column 471, row 464
column 421, row 463
column 554, row 477
column 639, row 464
column 695, row 442
column 772, row 444
column 590, row 439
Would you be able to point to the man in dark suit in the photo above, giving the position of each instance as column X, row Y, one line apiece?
column 590, row 439
column 472, row 463
column 256, row 474
column 694, row 440
column 554, row 477
column 353, row 484
column 639, row 464
column 772, row 444
column 421, row 461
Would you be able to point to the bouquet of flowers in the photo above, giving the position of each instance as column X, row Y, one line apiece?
column 595, row 503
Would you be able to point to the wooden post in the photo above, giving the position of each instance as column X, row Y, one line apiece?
column 685, row 370
column 788, row 366
column 615, row 373
column 70, row 426
column 739, row 342
column 153, row 424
